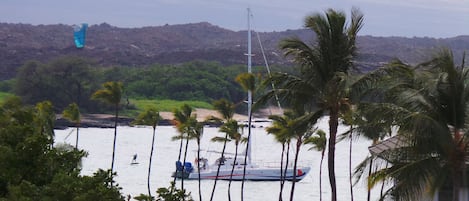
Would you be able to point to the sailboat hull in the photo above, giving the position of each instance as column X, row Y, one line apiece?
column 252, row 174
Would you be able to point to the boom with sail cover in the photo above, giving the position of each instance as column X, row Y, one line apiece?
column 79, row 34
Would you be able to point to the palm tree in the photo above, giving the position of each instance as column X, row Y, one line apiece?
column 181, row 119
column 319, row 143
column 196, row 130
column 150, row 117
column 111, row 94
column 72, row 113
column 293, row 125
column 226, row 110
column 373, row 126
column 430, row 102
column 321, row 86
column 278, row 129
column 233, row 128
column 300, row 127
column 248, row 83
column 349, row 119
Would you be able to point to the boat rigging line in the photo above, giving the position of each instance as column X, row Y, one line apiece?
column 267, row 67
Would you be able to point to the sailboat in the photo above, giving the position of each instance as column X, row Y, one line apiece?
column 253, row 171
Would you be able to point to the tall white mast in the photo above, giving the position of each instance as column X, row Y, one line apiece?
column 249, row 92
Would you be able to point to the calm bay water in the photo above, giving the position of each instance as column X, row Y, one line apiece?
column 137, row 140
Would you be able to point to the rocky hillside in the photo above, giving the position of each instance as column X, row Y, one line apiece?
column 108, row 45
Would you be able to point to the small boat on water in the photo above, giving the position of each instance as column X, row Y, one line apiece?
column 229, row 169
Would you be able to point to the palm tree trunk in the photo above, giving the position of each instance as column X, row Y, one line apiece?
column 284, row 173
column 282, row 176
column 456, row 185
column 232, row 171
column 333, row 125
column 114, row 143
column 287, row 160
column 464, row 187
column 76, row 142
column 298, row 146
column 149, row 162
column 320, row 175
column 184, row 163
column 369, row 175
column 246, row 155
column 218, row 168
column 198, row 168
column 458, row 170
column 350, row 165
column 179, row 159
column 382, row 185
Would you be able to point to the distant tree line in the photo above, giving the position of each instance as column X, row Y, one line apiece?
column 71, row 79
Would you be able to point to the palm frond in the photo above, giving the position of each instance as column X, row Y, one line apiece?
column 247, row 81
column 111, row 93
column 72, row 113
column 149, row 117
column 220, row 139
column 225, row 108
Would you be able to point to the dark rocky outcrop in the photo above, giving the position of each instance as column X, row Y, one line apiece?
column 172, row 44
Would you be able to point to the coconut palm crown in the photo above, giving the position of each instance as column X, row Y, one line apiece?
column 320, row 87
column 430, row 105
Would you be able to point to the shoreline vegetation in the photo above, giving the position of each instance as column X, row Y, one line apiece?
column 103, row 120
column 107, row 120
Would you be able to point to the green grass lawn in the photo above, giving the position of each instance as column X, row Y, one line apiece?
column 163, row 105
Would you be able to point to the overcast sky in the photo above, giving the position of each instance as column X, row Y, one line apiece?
column 433, row 18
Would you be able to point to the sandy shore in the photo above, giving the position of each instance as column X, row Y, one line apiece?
column 203, row 114
column 107, row 120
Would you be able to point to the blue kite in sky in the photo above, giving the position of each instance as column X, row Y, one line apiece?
column 79, row 34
